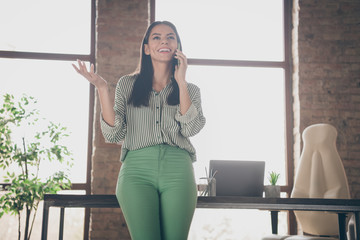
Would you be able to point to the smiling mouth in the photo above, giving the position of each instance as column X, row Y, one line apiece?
column 164, row 50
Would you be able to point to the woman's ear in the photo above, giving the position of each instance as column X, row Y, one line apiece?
column 146, row 49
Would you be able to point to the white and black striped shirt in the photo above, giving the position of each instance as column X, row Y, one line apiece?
column 158, row 123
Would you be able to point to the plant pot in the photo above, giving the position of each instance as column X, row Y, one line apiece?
column 272, row 191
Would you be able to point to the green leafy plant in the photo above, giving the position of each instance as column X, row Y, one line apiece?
column 22, row 159
column 273, row 177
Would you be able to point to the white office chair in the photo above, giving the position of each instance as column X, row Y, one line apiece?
column 320, row 174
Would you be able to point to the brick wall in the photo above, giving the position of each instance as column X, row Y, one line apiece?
column 120, row 28
column 329, row 75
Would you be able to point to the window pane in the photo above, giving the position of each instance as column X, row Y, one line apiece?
column 73, row 223
column 63, row 97
column 228, row 29
column 61, row 26
column 244, row 110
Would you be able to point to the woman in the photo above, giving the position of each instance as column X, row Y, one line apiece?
column 155, row 113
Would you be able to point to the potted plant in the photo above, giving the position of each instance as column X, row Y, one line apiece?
column 272, row 190
column 208, row 189
column 21, row 160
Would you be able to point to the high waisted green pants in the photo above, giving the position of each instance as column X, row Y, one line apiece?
column 157, row 193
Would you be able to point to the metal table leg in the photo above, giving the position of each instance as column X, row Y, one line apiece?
column 274, row 222
column 45, row 221
column 342, row 226
column 61, row 228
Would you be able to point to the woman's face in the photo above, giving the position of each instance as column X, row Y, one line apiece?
column 162, row 43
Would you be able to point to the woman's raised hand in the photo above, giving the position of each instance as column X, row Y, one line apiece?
column 91, row 76
column 180, row 69
column 101, row 85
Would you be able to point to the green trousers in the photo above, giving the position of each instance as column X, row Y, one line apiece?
column 157, row 193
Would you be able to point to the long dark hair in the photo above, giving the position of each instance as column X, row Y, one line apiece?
column 144, row 74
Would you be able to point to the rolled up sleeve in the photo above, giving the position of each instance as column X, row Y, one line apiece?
column 116, row 133
column 193, row 120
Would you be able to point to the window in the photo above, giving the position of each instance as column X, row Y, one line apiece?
column 237, row 55
column 40, row 39
column 62, row 96
column 45, row 26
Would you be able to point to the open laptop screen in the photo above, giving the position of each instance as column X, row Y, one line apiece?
column 238, row 178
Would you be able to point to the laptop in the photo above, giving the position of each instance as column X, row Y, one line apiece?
column 238, row 178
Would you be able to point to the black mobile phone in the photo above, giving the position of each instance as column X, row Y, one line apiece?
column 176, row 62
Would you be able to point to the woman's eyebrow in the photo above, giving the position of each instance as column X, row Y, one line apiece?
column 158, row 34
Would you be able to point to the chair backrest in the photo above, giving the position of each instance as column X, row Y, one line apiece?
column 320, row 174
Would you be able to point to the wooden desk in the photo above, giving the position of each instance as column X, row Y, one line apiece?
column 340, row 206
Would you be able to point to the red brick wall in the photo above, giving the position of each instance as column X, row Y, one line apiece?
column 329, row 75
column 120, row 28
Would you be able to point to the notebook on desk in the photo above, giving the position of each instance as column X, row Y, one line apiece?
column 238, row 178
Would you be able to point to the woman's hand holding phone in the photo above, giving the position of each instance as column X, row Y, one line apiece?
column 181, row 67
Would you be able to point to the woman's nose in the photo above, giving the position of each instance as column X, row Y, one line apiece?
column 164, row 41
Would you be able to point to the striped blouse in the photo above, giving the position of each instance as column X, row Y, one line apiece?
column 158, row 123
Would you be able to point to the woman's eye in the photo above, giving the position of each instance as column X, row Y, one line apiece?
column 171, row 37
column 156, row 38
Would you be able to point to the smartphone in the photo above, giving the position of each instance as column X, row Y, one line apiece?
column 176, row 62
